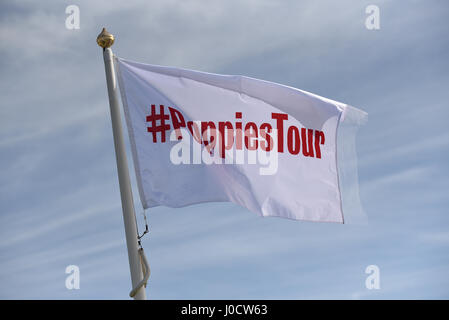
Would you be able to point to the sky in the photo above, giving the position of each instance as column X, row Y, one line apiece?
column 59, row 195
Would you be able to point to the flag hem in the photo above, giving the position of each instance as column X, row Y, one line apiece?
column 143, row 199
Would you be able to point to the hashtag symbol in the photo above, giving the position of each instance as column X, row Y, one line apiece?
column 162, row 127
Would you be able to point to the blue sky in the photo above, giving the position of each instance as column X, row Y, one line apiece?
column 59, row 197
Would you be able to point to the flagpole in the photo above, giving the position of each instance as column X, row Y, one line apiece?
column 105, row 40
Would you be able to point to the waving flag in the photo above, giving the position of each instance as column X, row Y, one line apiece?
column 199, row 137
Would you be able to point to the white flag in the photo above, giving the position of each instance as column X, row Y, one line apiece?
column 199, row 137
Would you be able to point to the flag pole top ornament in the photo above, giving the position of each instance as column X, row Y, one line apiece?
column 105, row 39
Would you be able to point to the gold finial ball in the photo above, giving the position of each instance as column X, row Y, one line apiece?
column 105, row 39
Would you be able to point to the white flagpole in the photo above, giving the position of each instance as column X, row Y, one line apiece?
column 105, row 40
